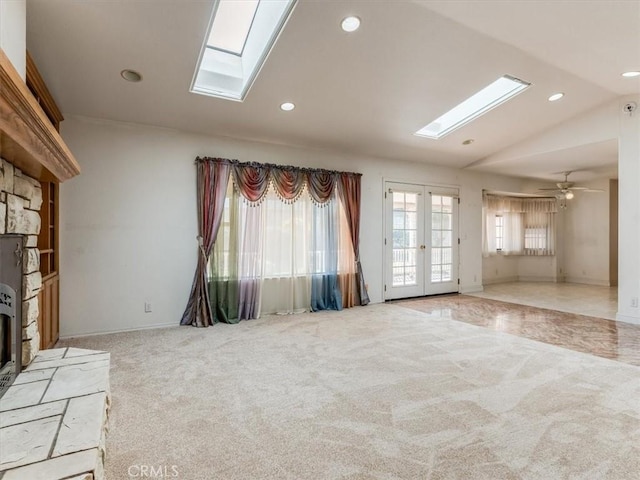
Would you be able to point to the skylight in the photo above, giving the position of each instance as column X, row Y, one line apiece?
column 478, row 104
column 231, row 24
column 240, row 36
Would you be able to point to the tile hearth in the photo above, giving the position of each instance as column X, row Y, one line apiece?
column 53, row 419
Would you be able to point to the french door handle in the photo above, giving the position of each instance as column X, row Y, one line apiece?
column 422, row 247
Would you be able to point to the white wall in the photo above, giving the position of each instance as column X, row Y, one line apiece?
column 128, row 222
column 499, row 269
column 519, row 268
column 586, row 236
column 13, row 33
column 629, row 213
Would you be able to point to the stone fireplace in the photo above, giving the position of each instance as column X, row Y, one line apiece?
column 54, row 414
column 20, row 203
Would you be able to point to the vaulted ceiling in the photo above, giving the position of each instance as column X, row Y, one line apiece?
column 366, row 92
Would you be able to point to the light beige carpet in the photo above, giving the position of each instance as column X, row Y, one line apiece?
column 378, row 392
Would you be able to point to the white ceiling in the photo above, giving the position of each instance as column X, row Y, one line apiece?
column 364, row 93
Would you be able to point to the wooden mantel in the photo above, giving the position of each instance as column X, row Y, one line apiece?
column 27, row 138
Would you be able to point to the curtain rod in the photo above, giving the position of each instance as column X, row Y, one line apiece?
column 271, row 165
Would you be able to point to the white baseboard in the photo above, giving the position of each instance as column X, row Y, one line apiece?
column 627, row 319
column 527, row 278
column 493, row 281
column 559, row 279
column 108, row 332
column 471, row 288
column 587, row 281
column 522, row 278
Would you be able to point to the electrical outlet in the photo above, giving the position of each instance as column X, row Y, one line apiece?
column 634, row 302
column 147, row 307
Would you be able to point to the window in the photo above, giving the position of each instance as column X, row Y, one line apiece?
column 441, row 238
column 287, row 248
column 231, row 24
column 536, row 232
column 499, row 233
column 241, row 35
column 478, row 104
column 405, row 225
column 519, row 225
column 535, row 238
column 296, row 229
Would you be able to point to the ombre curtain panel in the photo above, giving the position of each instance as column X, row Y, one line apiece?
column 212, row 178
column 276, row 239
column 350, row 195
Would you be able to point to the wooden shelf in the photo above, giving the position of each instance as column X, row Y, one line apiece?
column 48, row 237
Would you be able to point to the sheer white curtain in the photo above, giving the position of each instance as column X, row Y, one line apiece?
column 287, row 235
column 296, row 241
column 250, row 250
column 489, row 243
column 540, row 227
column 527, row 225
column 513, row 239
column 509, row 211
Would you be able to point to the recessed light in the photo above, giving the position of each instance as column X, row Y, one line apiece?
column 287, row 106
column 350, row 24
column 556, row 96
column 469, row 141
column 131, row 75
column 631, row 74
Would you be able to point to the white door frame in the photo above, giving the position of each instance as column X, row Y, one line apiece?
column 427, row 287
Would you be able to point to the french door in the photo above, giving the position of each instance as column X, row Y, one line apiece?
column 421, row 240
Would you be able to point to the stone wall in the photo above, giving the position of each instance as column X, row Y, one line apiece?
column 20, row 202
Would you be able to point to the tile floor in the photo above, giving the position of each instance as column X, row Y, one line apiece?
column 590, row 300
column 587, row 334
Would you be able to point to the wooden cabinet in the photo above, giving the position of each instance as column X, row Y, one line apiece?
column 49, row 319
column 48, row 298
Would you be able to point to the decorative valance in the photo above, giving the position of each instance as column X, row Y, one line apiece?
column 506, row 204
column 253, row 180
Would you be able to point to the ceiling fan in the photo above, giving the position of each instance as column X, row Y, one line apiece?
column 564, row 190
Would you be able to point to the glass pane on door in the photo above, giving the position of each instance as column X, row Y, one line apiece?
column 404, row 235
column 441, row 239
